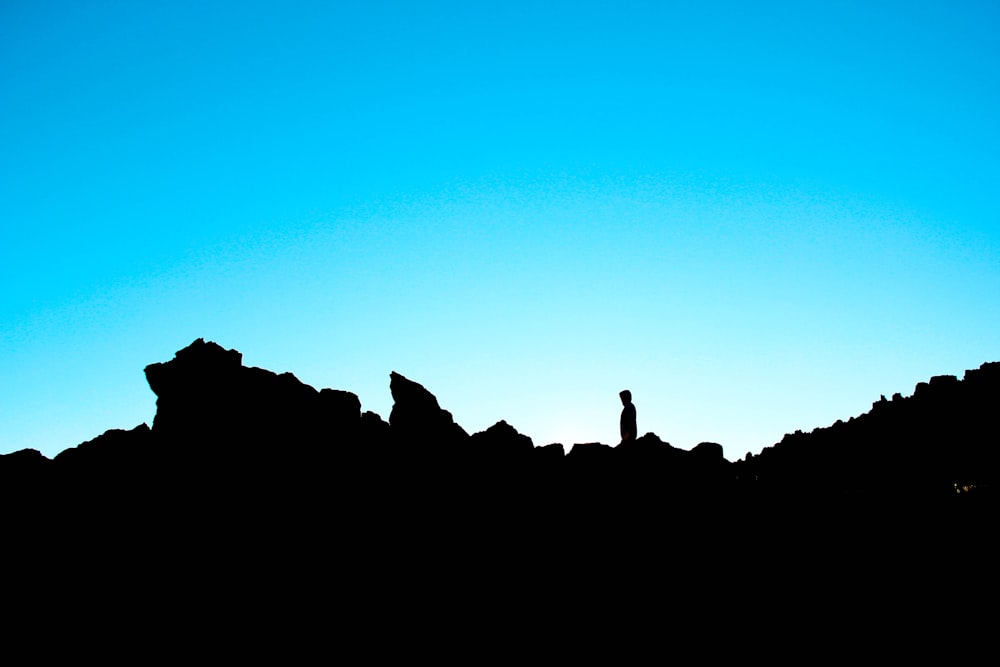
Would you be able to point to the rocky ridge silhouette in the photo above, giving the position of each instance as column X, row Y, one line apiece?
column 257, row 487
column 221, row 423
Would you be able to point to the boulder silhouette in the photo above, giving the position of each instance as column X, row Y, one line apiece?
column 416, row 418
column 220, row 412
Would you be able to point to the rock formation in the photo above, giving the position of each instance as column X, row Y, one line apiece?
column 257, row 487
column 222, row 425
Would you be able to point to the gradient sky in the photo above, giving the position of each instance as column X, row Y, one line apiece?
column 757, row 216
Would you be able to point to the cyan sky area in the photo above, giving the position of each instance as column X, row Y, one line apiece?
column 756, row 216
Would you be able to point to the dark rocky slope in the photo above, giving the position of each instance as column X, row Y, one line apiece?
column 253, row 491
column 221, row 427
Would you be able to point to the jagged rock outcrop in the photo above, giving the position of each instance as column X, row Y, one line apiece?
column 224, row 429
column 253, row 492
column 420, row 424
column 943, row 437
column 212, row 407
column 503, row 440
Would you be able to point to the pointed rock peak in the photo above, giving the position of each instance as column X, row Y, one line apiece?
column 503, row 428
column 412, row 394
column 415, row 411
column 503, row 436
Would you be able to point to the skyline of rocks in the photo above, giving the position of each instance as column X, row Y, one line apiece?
column 214, row 413
column 252, row 491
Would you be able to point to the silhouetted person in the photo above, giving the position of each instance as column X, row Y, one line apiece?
column 628, row 427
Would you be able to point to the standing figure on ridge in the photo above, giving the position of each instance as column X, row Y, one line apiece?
column 628, row 427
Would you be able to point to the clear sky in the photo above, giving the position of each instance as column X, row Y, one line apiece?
column 757, row 216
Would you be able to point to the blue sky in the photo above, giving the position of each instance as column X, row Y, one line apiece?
column 756, row 216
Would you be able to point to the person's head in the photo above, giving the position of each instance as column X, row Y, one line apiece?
column 626, row 396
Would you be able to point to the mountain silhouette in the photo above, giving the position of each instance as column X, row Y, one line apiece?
column 255, row 486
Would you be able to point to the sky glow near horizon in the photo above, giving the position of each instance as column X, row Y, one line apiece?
column 758, row 217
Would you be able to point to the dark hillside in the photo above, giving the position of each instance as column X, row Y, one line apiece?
column 253, row 492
